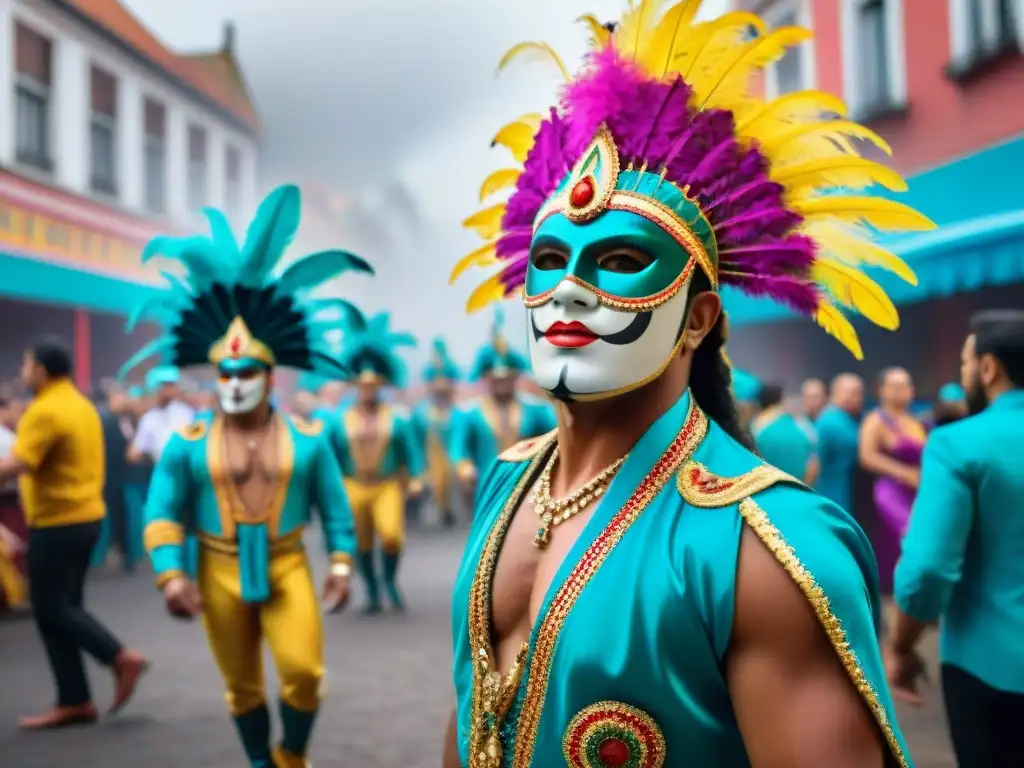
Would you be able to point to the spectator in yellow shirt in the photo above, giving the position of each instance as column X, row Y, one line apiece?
column 58, row 459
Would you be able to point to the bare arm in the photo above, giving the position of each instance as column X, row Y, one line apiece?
column 450, row 758
column 872, row 455
column 795, row 704
column 812, row 471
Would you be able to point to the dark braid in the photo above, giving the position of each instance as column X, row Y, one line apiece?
column 711, row 377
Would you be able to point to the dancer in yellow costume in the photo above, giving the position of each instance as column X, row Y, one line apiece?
column 244, row 480
column 378, row 454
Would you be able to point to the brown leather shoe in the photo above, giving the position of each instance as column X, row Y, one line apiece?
column 128, row 668
column 59, row 717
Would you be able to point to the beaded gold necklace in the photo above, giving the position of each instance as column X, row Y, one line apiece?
column 554, row 512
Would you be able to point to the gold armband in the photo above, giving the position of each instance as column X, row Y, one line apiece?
column 341, row 564
column 163, row 579
column 161, row 533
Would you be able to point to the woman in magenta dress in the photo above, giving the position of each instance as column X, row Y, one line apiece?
column 891, row 442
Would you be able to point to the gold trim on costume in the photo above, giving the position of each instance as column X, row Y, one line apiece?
column 527, row 449
column 163, row 579
column 307, row 427
column 368, row 455
column 485, row 677
column 491, row 412
column 771, row 537
column 193, row 432
column 700, row 487
column 237, row 343
column 290, row 542
column 343, row 558
column 636, row 732
column 162, row 533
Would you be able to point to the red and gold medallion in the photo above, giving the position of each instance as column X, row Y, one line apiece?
column 610, row 734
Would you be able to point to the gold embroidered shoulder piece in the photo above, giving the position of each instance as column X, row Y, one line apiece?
column 525, row 450
column 307, row 427
column 194, row 431
column 700, row 487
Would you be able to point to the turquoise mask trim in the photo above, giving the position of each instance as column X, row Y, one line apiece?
column 234, row 367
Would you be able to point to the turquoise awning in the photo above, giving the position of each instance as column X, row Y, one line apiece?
column 26, row 279
column 979, row 208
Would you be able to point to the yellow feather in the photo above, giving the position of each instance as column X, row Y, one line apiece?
column 517, row 137
column 834, row 323
column 708, row 41
column 798, row 107
column 487, row 292
column 833, row 130
column 484, row 256
column 486, row 223
column 536, row 50
column 841, row 171
column 499, row 180
column 656, row 56
column 753, row 57
column 881, row 214
column 855, row 290
column 599, row 34
column 634, row 28
column 845, row 246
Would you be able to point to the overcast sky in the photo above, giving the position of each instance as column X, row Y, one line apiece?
column 362, row 96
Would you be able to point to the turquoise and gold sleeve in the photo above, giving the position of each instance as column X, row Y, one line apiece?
column 829, row 558
column 166, row 512
column 419, row 427
column 332, row 503
column 461, row 445
column 410, row 449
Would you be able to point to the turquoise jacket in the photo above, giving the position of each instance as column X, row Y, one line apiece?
column 660, row 553
column 784, row 443
column 401, row 452
column 427, row 421
column 838, row 436
column 963, row 554
column 475, row 436
column 192, row 492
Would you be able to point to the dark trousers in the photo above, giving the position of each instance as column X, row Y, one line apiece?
column 984, row 723
column 58, row 560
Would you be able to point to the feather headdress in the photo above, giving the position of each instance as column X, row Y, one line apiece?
column 441, row 366
column 371, row 350
column 234, row 302
column 496, row 357
column 773, row 186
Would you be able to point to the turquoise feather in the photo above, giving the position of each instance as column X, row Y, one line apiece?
column 152, row 349
column 318, row 268
column 270, row 234
column 351, row 314
column 220, row 231
column 154, row 307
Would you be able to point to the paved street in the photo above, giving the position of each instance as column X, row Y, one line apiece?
column 388, row 688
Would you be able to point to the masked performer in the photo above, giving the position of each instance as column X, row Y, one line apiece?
column 432, row 423
column 245, row 481
column 641, row 589
column 378, row 453
column 502, row 417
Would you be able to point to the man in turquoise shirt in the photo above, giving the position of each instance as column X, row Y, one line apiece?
column 780, row 439
column 962, row 555
column 837, row 440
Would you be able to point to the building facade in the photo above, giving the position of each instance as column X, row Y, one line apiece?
column 940, row 81
column 107, row 138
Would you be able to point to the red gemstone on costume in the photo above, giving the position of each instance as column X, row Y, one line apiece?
column 236, row 345
column 582, row 193
column 613, row 752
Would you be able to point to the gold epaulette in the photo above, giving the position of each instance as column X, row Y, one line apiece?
column 194, row 431
column 700, row 487
column 307, row 427
column 525, row 450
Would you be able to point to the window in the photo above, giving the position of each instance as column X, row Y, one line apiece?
column 788, row 73
column 33, row 57
column 874, row 56
column 982, row 29
column 1006, row 23
column 196, row 168
column 232, row 182
column 103, row 133
column 154, row 156
column 874, row 45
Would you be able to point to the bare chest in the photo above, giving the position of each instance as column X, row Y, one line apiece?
column 252, row 465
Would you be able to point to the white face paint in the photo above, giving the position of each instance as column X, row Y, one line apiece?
column 615, row 357
column 241, row 394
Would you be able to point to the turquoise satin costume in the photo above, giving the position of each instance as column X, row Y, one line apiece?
column 238, row 308
column 782, row 442
column 961, row 556
column 191, row 488
column 662, row 660
column 401, row 453
column 838, row 439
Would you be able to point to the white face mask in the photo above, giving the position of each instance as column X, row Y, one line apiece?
column 241, row 395
column 623, row 350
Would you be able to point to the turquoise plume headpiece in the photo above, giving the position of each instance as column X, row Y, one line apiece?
column 746, row 388
column 237, row 302
column 496, row 357
column 160, row 375
column 370, row 350
column 441, row 365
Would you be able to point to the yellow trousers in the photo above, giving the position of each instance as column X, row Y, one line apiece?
column 11, row 581
column 289, row 621
column 379, row 511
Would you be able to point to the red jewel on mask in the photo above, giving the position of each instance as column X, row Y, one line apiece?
column 582, row 192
